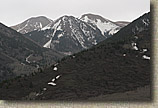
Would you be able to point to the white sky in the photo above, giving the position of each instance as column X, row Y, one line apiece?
column 16, row 11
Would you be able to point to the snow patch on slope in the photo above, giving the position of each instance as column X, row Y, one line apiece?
column 146, row 57
column 53, row 80
column 134, row 46
column 55, row 27
column 103, row 26
column 20, row 29
column 52, row 83
column 48, row 44
column 78, row 35
column 55, row 69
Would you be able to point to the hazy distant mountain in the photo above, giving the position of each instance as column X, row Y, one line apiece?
column 68, row 35
column 119, row 64
column 20, row 55
column 122, row 23
column 32, row 24
column 106, row 26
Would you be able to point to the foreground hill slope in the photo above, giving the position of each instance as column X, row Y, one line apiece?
column 113, row 66
column 20, row 54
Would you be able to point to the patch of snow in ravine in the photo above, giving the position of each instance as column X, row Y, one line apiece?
column 124, row 55
column 145, row 50
column 41, row 25
column 103, row 26
column 20, row 29
column 48, row 44
column 57, row 77
column 77, row 35
column 52, row 83
column 55, row 27
column 60, row 35
column 45, row 28
column 146, row 57
column 55, row 69
column 134, row 46
column 113, row 31
column 53, row 80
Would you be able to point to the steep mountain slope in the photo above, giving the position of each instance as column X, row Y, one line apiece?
column 113, row 66
column 32, row 24
column 122, row 23
column 20, row 54
column 68, row 35
column 41, row 37
column 106, row 26
column 4, row 71
column 133, row 29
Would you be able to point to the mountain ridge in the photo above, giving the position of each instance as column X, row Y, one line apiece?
column 69, row 34
column 76, row 33
column 32, row 24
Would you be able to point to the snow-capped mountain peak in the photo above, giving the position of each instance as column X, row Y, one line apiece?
column 106, row 26
column 70, row 34
column 32, row 24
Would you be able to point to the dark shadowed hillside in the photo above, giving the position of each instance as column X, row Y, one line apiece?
column 20, row 55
